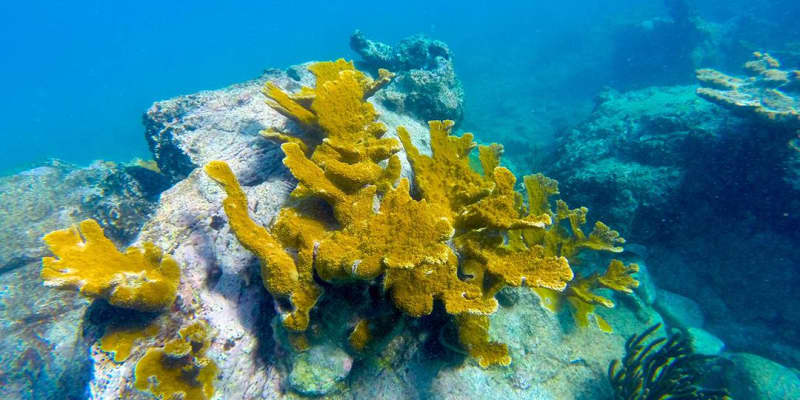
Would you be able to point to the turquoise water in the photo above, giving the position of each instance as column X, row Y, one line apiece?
column 78, row 76
column 700, row 174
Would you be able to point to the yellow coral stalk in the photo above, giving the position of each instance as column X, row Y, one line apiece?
column 143, row 279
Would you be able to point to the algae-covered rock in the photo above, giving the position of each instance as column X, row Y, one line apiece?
column 318, row 371
column 753, row 377
column 627, row 159
column 57, row 195
column 42, row 353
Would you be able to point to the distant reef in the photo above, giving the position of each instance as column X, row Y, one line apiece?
column 705, row 179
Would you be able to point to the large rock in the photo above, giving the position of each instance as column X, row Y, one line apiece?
column 551, row 357
column 426, row 85
column 709, row 194
column 319, row 370
column 626, row 160
column 753, row 377
column 220, row 283
column 679, row 311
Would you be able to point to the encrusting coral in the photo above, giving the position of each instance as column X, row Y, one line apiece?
column 142, row 279
column 468, row 236
column 179, row 369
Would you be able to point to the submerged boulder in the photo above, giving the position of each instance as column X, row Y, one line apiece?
column 426, row 85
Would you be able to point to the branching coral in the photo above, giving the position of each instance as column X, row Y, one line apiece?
column 142, row 279
column 661, row 369
column 120, row 341
column 468, row 236
column 769, row 93
column 581, row 296
column 180, row 368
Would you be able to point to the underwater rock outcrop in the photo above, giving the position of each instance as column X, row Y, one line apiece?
column 628, row 157
column 659, row 160
column 426, row 85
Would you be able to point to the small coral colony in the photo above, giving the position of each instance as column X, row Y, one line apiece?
column 465, row 234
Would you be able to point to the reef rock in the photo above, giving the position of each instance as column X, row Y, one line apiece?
column 42, row 348
column 687, row 178
column 679, row 311
column 426, row 85
column 220, row 282
column 627, row 158
column 552, row 358
column 769, row 95
column 317, row 371
column 704, row 342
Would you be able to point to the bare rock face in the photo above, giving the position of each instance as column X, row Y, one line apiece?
column 189, row 131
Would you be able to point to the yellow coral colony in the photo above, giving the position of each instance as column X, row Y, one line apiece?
column 469, row 235
column 180, row 368
column 142, row 279
column 120, row 341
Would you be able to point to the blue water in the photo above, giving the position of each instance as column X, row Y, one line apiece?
column 76, row 77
